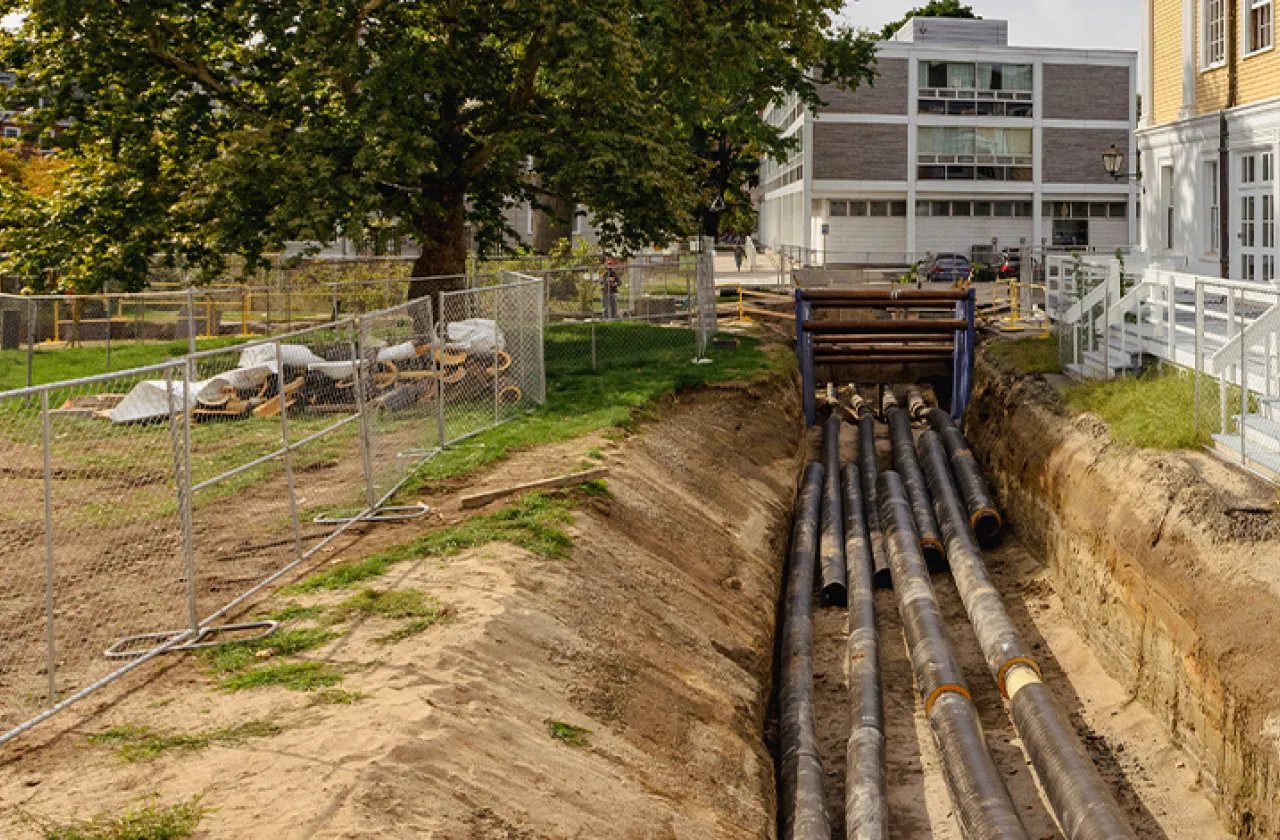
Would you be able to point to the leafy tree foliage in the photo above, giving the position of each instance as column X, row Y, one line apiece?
column 199, row 130
column 934, row 8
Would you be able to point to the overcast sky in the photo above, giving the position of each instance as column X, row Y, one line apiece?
column 1032, row 23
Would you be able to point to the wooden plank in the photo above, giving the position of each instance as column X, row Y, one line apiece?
column 481, row 499
column 271, row 407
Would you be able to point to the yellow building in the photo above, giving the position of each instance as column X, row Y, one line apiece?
column 1209, row 139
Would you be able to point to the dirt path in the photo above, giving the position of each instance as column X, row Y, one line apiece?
column 1149, row 777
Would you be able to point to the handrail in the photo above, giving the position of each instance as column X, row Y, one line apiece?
column 1252, row 335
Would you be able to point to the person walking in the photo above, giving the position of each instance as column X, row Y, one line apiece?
column 610, row 284
column 738, row 256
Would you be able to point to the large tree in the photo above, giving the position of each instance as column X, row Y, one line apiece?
column 934, row 8
column 200, row 130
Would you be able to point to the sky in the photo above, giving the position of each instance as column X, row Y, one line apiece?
column 1115, row 24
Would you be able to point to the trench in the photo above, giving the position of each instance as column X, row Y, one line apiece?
column 1157, row 784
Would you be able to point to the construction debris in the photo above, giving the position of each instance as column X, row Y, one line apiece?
column 573, row 479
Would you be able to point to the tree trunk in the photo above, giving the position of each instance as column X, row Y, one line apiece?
column 442, row 234
column 550, row 227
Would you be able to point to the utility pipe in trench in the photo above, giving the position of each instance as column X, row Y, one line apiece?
column 833, row 565
column 869, row 469
column 1081, row 801
column 865, row 797
column 984, row 519
column 982, row 802
column 803, row 802
column 904, row 462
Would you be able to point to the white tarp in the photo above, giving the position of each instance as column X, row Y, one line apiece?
column 335, row 370
column 149, row 399
column 476, row 335
column 264, row 355
column 398, row 352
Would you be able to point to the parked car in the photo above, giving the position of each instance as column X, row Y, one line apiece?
column 950, row 268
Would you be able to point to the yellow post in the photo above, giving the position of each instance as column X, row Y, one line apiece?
column 208, row 318
column 742, row 316
column 57, row 316
column 244, row 313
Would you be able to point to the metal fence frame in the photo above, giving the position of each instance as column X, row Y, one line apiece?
column 384, row 471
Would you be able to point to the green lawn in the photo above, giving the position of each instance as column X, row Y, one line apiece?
column 1029, row 355
column 56, row 364
column 636, row 364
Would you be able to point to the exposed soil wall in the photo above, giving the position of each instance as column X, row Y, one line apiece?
column 656, row 634
column 1169, row 565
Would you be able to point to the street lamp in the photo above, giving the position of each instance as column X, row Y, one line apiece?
column 1113, row 162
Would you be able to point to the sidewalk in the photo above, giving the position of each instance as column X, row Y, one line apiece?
column 765, row 274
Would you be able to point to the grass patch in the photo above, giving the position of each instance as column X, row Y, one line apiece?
column 145, row 821
column 535, row 523
column 139, row 743
column 399, row 603
column 296, row 676
column 637, row 364
column 337, row 697
column 55, row 364
column 596, row 488
column 567, row 733
column 1156, row 410
column 237, row 656
column 294, row 612
column 1029, row 355
column 596, row 454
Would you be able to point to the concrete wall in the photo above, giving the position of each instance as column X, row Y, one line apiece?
column 859, row 152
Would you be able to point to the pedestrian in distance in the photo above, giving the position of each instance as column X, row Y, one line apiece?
column 738, row 255
column 610, row 283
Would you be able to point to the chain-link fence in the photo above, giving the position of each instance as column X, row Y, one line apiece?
column 145, row 506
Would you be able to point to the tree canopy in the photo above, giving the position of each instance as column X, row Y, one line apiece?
column 934, row 8
column 200, row 130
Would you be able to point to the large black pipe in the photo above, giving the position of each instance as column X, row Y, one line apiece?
column 904, row 461
column 1081, row 801
column 982, row 802
column 865, row 798
column 834, row 571
column 804, row 803
column 870, row 469
column 984, row 518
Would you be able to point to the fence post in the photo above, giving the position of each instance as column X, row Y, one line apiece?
column 288, row 455
column 593, row 345
column 191, row 327
column 333, row 301
column 188, row 543
column 106, row 302
column 31, row 340
column 1199, row 350
column 51, row 663
column 1224, row 379
column 356, row 341
column 437, row 342
column 1244, row 388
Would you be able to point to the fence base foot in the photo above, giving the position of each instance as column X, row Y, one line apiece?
column 129, row 647
column 396, row 513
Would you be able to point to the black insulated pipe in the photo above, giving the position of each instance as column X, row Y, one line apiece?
column 865, row 789
column 804, row 803
column 984, row 518
column 1081, row 801
column 904, row 461
column 870, row 469
column 982, row 802
column 834, row 571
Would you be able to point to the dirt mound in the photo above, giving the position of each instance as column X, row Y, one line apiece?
column 1166, row 562
column 654, row 636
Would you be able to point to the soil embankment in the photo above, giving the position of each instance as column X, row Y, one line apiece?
column 655, row 635
column 1167, row 563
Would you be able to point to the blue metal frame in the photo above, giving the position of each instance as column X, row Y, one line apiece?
column 804, row 352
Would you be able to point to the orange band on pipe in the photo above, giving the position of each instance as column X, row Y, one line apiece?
column 973, row 520
column 949, row 688
column 1006, row 667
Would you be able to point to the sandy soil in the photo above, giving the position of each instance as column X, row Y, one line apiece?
column 656, row 635
column 1149, row 777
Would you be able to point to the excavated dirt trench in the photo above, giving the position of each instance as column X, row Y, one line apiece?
column 1168, row 564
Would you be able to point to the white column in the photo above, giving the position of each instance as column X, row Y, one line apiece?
column 1037, row 146
column 1188, row 59
column 806, row 194
column 1133, row 191
column 1148, row 63
column 913, row 150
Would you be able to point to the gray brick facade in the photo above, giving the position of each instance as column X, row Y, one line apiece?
column 859, row 152
column 887, row 96
column 1087, row 92
column 1074, row 156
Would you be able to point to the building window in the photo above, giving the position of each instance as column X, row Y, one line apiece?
column 1003, row 209
column 941, row 208
column 898, row 209
column 879, row 209
column 957, row 153
column 12, row 133
column 1023, row 209
column 858, row 208
column 1268, row 221
column 838, row 209
column 1166, row 197
column 1070, row 233
column 1268, row 167
column 982, row 209
column 976, row 89
column 1248, row 222
column 922, row 208
column 1213, row 190
column 1260, row 26
column 1118, row 210
column 961, row 208
column 1248, row 169
column 1214, row 28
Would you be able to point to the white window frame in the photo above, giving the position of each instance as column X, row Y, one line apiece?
column 1250, row 8
column 12, row 132
column 1213, row 52
column 1213, row 201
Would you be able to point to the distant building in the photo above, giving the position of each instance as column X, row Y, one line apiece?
column 1210, row 138
column 963, row 141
